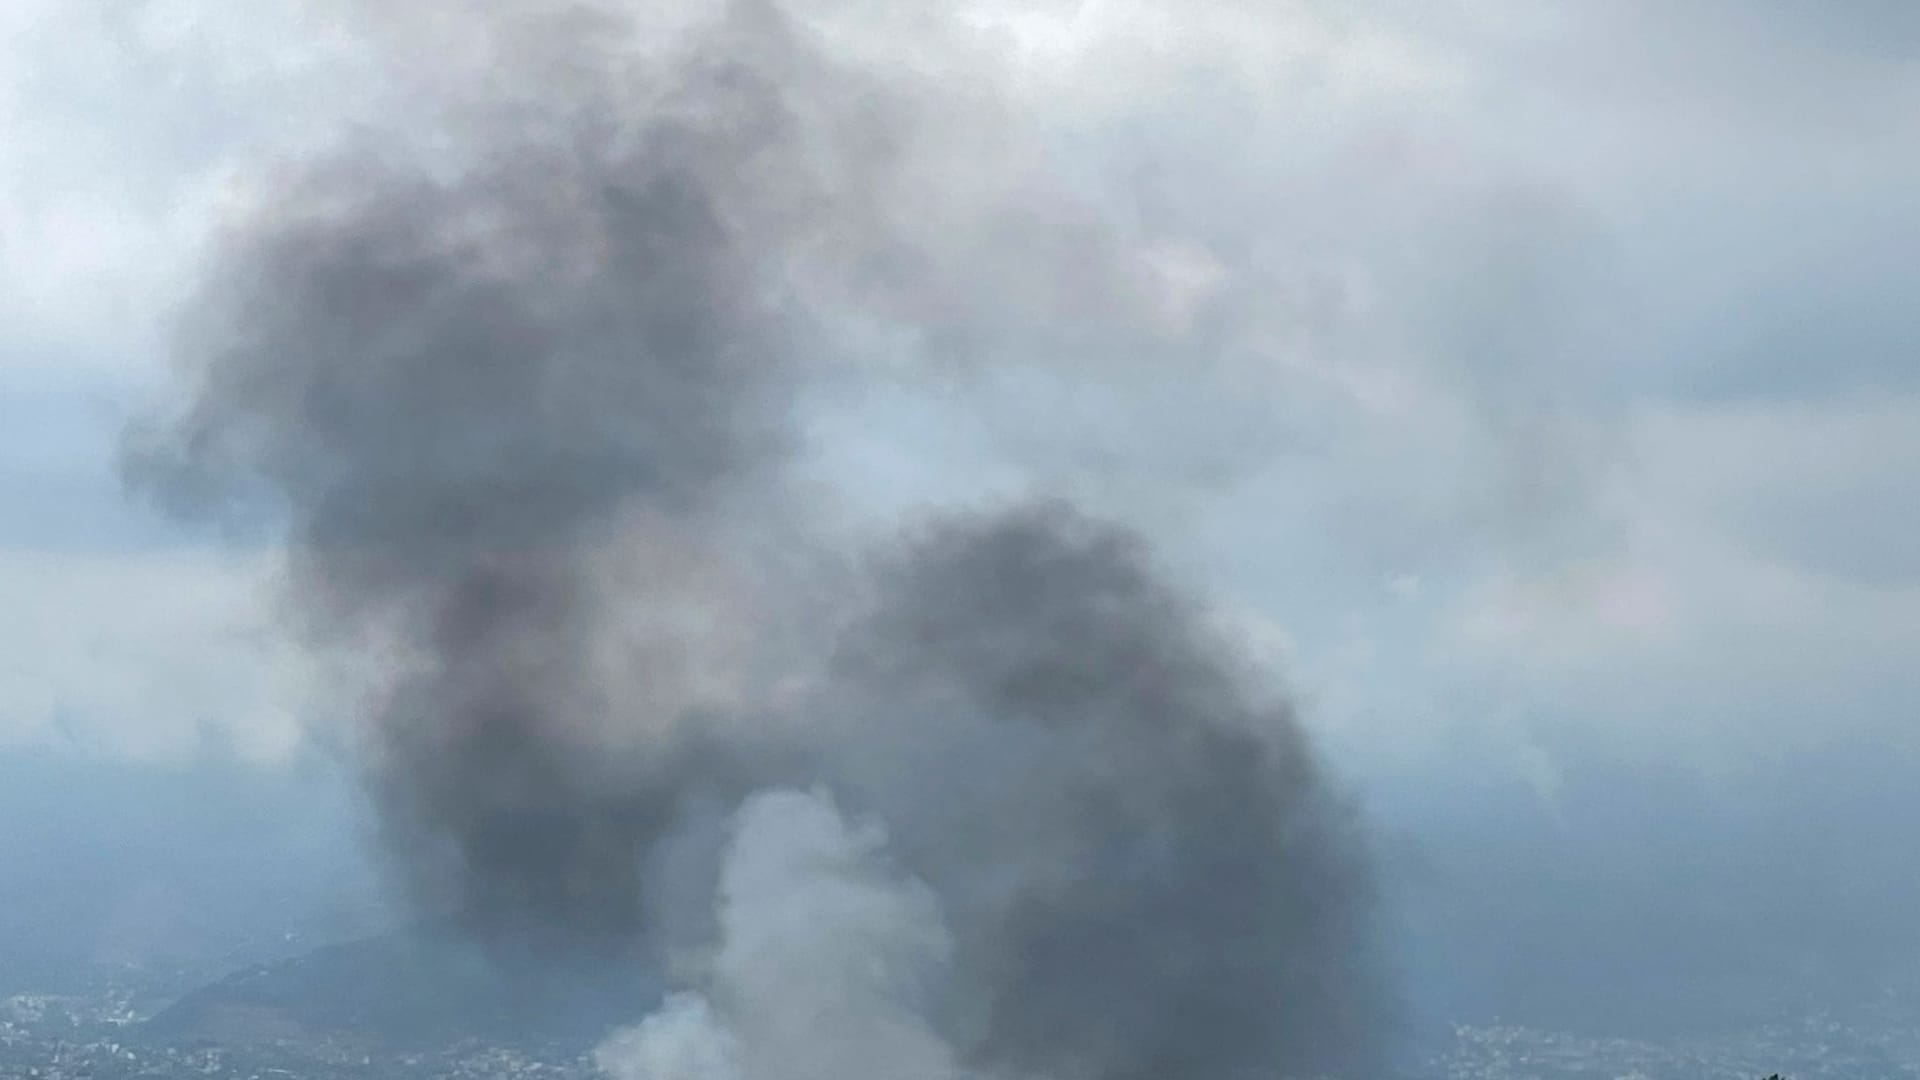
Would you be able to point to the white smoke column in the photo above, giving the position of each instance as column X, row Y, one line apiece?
column 825, row 959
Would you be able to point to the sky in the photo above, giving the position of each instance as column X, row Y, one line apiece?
column 1563, row 440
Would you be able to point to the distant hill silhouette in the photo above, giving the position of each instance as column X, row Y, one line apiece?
column 423, row 987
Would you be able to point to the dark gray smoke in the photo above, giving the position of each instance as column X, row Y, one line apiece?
column 1146, row 875
column 463, row 391
column 526, row 403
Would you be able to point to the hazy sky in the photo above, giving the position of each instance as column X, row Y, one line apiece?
column 1578, row 405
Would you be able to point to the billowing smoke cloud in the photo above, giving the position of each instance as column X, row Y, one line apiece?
column 1145, row 873
column 826, row 963
column 468, row 393
column 526, row 398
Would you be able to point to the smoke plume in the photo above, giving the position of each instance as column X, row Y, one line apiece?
column 526, row 388
column 826, row 960
column 467, row 393
column 1145, row 873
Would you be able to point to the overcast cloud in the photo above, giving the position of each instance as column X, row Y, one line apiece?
column 1567, row 341
column 1576, row 354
